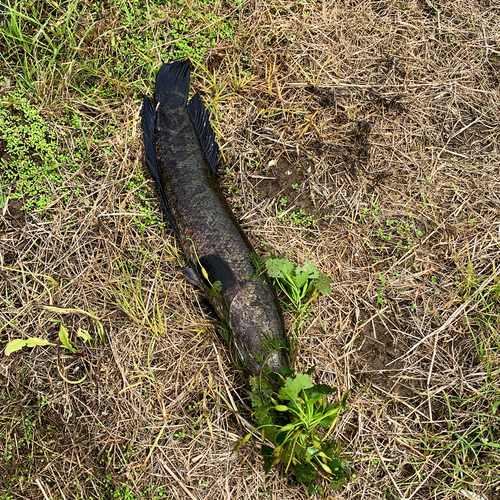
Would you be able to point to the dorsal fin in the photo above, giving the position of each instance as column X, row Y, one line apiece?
column 206, row 135
column 148, row 130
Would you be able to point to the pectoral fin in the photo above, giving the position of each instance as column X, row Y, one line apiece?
column 192, row 276
column 217, row 269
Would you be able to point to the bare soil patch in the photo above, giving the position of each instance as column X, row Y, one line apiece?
column 14, row 216
column 380, row 351
column 286, row 178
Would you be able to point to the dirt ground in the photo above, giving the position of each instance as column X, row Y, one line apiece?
column 360, row 135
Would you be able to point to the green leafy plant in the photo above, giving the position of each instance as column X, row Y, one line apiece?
column 294, row 415
column 301, row 285
column 84, row 335
column 18, row 344
column 290, row 411
column 64, row 338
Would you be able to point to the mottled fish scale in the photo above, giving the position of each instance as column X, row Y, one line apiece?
column 180, row 138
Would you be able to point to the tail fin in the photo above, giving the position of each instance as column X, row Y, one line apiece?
column 172, row 84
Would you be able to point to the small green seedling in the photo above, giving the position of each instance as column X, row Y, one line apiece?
column 64, row 338
column 84, row 335
column 3, row 197
column 18, row 344
column 289, row 412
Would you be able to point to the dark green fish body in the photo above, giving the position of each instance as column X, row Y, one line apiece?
column 182, row 153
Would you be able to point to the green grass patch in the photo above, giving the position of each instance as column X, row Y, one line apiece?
column 83, row 60
column 484, row 321
column 32, row 159
column 466, row 440
column 106, row 51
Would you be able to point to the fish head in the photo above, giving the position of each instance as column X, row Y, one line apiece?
column 257, row 328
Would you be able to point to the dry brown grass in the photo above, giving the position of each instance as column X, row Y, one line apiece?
column 165, row 405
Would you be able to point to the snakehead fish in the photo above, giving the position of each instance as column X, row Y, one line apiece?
column 182, row 154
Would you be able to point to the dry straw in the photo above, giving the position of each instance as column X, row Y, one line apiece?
column 391, row 110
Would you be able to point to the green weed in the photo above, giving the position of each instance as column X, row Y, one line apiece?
column 466, row 439
column 469, row 445
column 192, row 43
column 3, row 196
column 64, row 337
column 301, row 285
column 145, row 215
column 301, row 219
column 128, row 294
column 289, row 409
column 380, row 294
